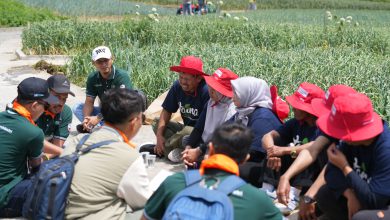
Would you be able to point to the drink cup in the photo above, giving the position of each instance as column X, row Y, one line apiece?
column 144, row 156
column 151, row 160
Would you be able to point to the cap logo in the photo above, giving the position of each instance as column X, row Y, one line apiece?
column 66, row 83
column 333, row 110
column 122, row 86
column 39, row 95
column 327, row 95
column 303, row 92
column 101, row 50
column 218, row 73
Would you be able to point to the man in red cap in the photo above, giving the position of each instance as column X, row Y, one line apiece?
column 314, row 152
column 219, row 109
column 358, row 173
column 285, row 143
column 189, row 94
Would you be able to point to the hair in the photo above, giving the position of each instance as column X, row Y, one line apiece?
column 233, row 140
column 23, row 101
column 119, row 105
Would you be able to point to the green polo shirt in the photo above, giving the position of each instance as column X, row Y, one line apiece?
column 96, row 85
column 57, row 127
column 248, row 202
column 19, row 140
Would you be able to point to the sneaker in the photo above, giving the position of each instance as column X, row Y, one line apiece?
column 175, row 155
column 147, row 147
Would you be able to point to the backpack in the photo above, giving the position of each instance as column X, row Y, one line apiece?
column 197, row 201
column 48, row 197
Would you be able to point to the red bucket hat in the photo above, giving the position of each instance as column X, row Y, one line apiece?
column 322, row 106
column 301, row 99
column 190, row 65
column 351, row 118
column 220, row 81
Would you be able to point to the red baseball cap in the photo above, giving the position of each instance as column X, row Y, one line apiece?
column 322, row 106
column 220, row 81
column 190, row 65
column 301, row 99
column 352, row 118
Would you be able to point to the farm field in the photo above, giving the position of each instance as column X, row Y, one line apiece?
column 283, row 46
column 14, row 14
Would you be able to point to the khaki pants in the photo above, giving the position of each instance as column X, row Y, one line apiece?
column 173, row 134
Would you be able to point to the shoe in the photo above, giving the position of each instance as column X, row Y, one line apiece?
column 175, row 155
column 147, row 147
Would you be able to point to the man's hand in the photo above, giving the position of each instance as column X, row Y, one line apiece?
column 336, row 157
column 307, row 211
column 283, row 190
column 190, row 155
column 90, row 122
column 276, row 151
column 274, row 163
column 159, row 148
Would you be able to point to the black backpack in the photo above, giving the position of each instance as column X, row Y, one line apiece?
column 47, row 198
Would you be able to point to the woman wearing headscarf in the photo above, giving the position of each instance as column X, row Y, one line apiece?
column 219, row 109
column 252, row 98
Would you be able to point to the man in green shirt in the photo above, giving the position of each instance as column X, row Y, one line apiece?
column 104, row 78
column 56, row 121
column 21, row 143
column 229, row 147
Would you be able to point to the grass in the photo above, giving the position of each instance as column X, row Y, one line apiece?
column 288, row 4
column 15, row 14
column 284, row 47
column 98, row 8
column 70, row 36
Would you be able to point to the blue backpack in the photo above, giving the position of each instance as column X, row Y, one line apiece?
column 197, row 201
column 48, row 197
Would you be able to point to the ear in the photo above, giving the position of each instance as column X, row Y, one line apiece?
column 34, row 106
column 211, row 149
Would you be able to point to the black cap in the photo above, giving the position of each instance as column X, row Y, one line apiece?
column 34, row 88
column 60, row 84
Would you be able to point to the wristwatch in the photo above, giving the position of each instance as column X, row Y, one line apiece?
column 293, row 153
column 308, row 199
column 99, row 116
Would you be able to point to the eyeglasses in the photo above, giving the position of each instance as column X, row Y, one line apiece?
column 45, row 104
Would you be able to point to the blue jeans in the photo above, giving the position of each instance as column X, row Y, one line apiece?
column 78, row 111
column 17, row 197
column 186, row 9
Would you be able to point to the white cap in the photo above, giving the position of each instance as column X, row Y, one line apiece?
column 101, row 52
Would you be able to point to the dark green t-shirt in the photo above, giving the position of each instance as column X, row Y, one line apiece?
column 57, row 127
column 96, row 85
column 248, row 202
column 19, row 140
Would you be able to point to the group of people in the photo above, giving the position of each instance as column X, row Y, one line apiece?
column 188, row 8
column 335, row 148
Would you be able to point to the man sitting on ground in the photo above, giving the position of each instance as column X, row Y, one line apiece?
column 106, row 77
column 21, row 143
column 229, row 147
column 357, row 176
column 300, row 131
column 110, row 177
column 189, row 94
column 57, row 120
